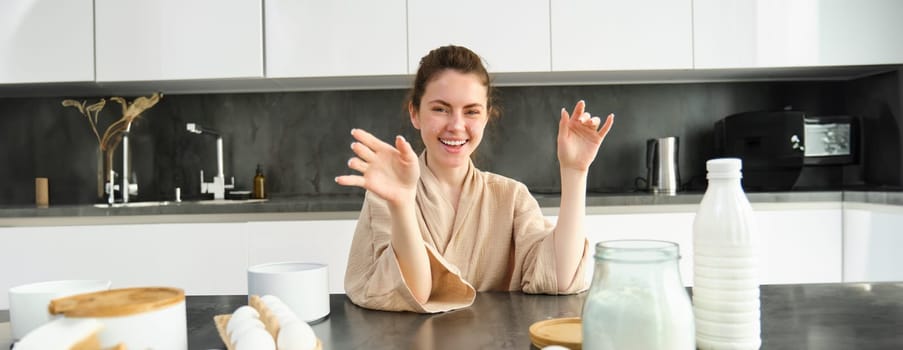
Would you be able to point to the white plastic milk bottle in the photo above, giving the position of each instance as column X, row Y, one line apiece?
column 725, row 263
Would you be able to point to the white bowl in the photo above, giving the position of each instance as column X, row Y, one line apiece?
column 303, row 287
column 28, row 303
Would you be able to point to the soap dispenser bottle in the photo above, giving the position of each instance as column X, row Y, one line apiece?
column 259, row 184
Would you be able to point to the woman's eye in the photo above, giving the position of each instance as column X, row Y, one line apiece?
column 439, row 109
column 473, row 112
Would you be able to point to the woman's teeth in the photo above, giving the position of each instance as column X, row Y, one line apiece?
column 453, row 142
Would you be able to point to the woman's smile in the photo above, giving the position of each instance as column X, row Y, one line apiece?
column 453, row 145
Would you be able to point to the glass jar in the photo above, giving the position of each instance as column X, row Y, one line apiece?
column 637, row 299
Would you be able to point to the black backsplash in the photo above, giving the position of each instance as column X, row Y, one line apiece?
column 301, row 139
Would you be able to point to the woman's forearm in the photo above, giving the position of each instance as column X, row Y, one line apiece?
column 410, row 251
column 569, row 232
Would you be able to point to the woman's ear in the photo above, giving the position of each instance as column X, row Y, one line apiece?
column 412, row 112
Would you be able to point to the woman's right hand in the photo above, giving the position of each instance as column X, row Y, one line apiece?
column 389, row 172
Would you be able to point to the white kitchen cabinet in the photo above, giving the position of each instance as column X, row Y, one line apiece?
column 139, row 40
column 606, row 35
column 674, row 227
column 510, row 35
column 207, row 258
column 310, row 38
column 779, row 33
column 45, row 41
column 314, row 241
column 801, row 245
column 798, row 245
column 872, row 243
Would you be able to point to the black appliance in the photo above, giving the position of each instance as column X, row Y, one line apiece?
column 776, row 146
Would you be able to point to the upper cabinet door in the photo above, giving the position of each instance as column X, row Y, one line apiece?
column 510, row 35
column 314, row 38
column 178, row 39
column 46, row 41
column 601, row 35
column 781, row 33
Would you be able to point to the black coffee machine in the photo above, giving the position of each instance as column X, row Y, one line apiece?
column 777, row 146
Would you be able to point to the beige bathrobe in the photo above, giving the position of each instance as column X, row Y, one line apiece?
column 498, row 240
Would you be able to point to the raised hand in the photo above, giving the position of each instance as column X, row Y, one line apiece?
column 579, row 137
column 389, row 172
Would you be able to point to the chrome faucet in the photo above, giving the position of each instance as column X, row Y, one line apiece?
column 130, row 188
column 218, row 187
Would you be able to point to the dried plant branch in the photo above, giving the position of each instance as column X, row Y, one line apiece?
column 86, row 111
column 95, row 109
column 130, row 112
column 122, row 102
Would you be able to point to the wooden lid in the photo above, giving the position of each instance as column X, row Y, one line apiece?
column 565, row 332
column 117, row 302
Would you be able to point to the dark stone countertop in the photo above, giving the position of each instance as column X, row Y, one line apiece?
column 347, row 206
column 352, row 203
column 803, row 316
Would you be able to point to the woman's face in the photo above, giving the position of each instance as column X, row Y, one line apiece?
column 451, row 118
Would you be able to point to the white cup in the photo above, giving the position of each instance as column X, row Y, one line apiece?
column 303, row 287
column 28, row 303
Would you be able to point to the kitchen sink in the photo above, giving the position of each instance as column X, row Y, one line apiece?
column 133, row 204
column 228, row 201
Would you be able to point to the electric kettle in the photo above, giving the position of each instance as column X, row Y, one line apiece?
column 661, row 165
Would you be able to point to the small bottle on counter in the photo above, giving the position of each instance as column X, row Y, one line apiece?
column 259, row 185
column 726, row 260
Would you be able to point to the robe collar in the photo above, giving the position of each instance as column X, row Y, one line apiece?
column 440, row 218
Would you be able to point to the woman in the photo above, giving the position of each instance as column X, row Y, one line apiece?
column 434, row 230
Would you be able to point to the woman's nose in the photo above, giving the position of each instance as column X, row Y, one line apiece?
column 457, row 121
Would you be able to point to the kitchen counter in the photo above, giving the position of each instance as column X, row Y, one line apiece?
column 347, row 207
column 802, row 316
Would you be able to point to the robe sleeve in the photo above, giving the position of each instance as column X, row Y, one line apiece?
column 534, row 241
column 373, row 277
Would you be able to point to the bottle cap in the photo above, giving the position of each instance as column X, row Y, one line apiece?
column 724, row 167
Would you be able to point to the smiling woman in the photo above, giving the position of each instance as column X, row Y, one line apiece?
column 434, row 229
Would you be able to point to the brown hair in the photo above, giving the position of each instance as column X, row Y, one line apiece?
column 458, row 58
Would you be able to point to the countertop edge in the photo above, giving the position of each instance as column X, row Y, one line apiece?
column 348, row 208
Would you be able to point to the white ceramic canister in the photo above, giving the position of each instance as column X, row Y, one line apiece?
column 139, row 318
column 28, row 303
column 303, row 287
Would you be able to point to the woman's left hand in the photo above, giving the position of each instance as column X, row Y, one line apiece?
column 579, row 137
